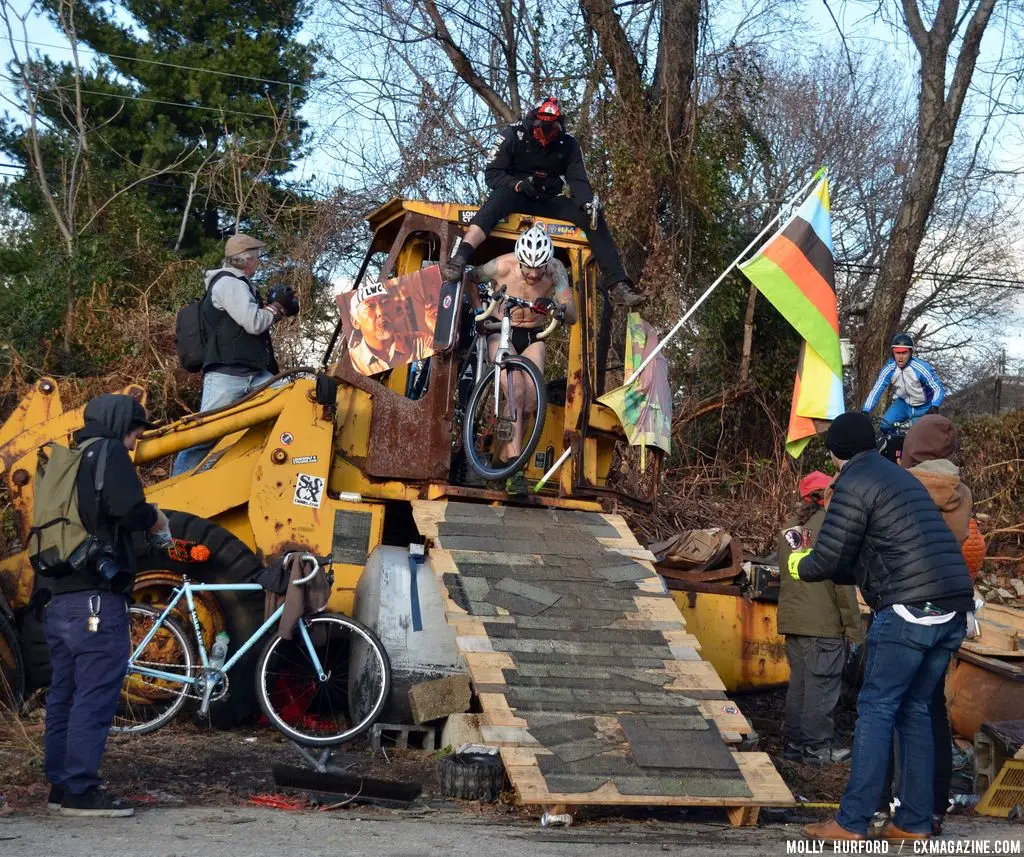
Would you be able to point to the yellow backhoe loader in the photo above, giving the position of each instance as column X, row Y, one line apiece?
column 329, row 458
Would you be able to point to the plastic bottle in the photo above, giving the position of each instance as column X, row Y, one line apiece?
column 219, row 653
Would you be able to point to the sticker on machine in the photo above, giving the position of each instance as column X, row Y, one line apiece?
column 304, row 459
column 309, row 490
column 287, row 438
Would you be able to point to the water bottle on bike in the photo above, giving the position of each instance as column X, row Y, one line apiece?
column 219, row 652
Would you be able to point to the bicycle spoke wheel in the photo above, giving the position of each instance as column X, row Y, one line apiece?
column 148, row 703
column 324, row 710
column 494, row 418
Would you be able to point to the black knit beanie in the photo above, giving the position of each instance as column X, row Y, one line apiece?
column 849, row 434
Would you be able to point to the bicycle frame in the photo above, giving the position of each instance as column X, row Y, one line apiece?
column 187, row 589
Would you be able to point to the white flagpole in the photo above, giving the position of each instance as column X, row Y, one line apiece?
column 798, row 195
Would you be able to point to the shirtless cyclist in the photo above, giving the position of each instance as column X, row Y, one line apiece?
column 533, row 274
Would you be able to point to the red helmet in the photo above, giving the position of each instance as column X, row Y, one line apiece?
column 546, row 121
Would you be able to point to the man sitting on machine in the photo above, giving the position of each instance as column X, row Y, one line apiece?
column 531, row 273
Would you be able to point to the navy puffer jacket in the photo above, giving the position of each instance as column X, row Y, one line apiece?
column 884, row 532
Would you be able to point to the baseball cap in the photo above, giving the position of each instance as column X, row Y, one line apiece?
column 812, row 482
column 365, row 292
column 240, row 242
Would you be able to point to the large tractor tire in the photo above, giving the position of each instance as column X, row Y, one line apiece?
column 240, row 614
column 12, row 666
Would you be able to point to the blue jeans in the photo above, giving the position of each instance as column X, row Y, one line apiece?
column 905, row 662
column 900, row 411
column 88, row 668
column 219, row 391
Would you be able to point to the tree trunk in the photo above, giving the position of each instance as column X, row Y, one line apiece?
column 938, row 116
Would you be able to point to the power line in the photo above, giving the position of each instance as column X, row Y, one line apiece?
column 169, row 64
column 221, row 110
column 968, row 278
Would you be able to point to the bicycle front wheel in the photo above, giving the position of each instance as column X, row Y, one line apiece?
column 494, row 417
column 147, row 703
column 320, row 709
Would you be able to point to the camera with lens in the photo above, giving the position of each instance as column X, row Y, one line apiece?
column 98, row 555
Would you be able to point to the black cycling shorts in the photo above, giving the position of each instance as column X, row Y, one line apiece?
column 523, row 337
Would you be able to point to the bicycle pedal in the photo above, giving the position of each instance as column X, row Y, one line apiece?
column 505, row 431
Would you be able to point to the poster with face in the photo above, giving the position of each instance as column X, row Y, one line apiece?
column 391, row 323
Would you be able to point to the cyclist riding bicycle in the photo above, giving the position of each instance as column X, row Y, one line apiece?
column 916, row 386
column 531, row 273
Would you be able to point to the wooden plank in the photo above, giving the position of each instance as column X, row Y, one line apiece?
column 763, row 780
column 498, row 713
column 692, row 675
column 428, row 514
column 531, row 788
column 725, row 715
column 658, row 609
column 742, row 816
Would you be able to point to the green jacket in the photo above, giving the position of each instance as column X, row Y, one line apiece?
column 816, row 609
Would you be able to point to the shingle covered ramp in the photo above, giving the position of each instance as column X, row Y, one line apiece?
column 586, row 675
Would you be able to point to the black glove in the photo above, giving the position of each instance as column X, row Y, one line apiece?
column 527, row 188
column 554, row 185
column 285, row 298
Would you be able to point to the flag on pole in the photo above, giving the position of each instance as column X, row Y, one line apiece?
column 644, row 407
column 795, row 271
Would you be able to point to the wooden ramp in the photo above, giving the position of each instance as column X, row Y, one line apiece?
column 587, row 677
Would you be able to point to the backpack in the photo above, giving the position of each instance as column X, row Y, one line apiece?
column 61, row 541
column 190, row 330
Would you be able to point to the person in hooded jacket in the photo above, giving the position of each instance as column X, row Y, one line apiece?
column 817, row 620
column 928, row 451
column 530, row 166
column 883, row 532
column 86, row 620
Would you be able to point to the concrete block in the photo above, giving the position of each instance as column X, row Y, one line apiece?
column 462, row 729
column 432, row 700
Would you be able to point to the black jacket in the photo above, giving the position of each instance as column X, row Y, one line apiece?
column 517, row 156
column 120, row 508
column 230, row 347
column 884, row 532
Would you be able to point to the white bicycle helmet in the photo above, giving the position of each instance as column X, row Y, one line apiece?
column 534, row 248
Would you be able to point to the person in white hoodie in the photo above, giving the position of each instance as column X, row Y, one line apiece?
column 239, row 354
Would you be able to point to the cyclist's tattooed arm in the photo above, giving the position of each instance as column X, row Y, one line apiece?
column 485, row 273
column 563, row 291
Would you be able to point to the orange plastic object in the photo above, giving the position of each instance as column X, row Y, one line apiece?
column 974, row 549
column 279, row 801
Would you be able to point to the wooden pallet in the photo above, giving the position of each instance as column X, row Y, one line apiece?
column 587, row 678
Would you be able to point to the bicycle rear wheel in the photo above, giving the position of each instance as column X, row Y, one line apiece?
column 345, row 703
column 489, row 420
column 148, row 703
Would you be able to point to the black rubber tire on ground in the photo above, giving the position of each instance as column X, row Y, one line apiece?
column 12, row 666
column 231, row 561
column 471, row 776
column 483, row 387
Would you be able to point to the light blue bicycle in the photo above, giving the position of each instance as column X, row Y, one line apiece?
column 325, row 686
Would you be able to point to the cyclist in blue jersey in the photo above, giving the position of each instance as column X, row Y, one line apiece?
column 916, row 385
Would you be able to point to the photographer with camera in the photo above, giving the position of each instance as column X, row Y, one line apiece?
column 238, row 354
column 86, row 620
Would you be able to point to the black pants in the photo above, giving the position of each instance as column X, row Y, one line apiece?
column 815, row 679
column 503, row 202
column 943, row 738
column 88, row 668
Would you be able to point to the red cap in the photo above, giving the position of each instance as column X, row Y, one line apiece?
column 812, row 482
